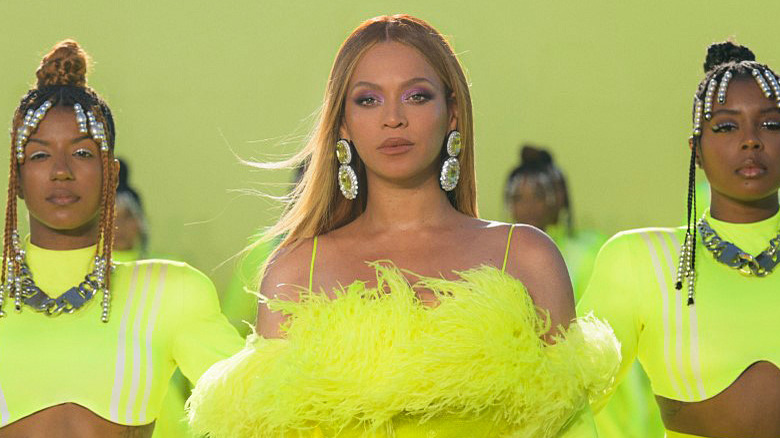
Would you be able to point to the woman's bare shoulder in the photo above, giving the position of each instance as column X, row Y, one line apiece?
column 534, row 259
column 288, row 270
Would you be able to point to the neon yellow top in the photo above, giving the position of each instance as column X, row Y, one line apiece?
column 690, row 353
column 375, row 362
column 163, row 314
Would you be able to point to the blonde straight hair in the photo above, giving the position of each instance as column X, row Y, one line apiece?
column 316, row 206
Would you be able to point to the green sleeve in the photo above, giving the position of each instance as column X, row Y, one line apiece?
column 203, row 335
column 581, row 426
column 238, row 301
column 612, row 296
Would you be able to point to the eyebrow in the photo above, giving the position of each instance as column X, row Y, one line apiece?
column 404, row 84
column 46, row 143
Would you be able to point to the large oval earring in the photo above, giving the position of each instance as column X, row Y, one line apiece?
column 348, row 182
column 450, row 170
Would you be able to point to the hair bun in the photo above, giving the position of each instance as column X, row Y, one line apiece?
column 534, row 157
column 65, row 64
column 725, row 52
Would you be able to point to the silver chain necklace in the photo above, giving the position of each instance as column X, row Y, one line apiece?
column 731, row 255
column 25, row 291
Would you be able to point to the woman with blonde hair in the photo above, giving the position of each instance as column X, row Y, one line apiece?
column 389, row 308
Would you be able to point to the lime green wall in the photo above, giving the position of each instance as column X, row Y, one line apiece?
column 607, row 85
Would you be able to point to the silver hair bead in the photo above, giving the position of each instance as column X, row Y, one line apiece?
column 105, row 305
column 770, row 77
column 81, row 118
column 31, row 120
column 708, row 98
column 722, row 88
column 697, row 117
column 762, row 82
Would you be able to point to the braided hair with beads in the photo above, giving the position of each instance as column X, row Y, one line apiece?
column 61, row 81
column 725, row 61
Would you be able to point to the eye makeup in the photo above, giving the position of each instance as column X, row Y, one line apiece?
column 368, row 98
column 417, row 94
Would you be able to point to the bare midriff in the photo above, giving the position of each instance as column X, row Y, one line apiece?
column 70, row 420
column 750, row 406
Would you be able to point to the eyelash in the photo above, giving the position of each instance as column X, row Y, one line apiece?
column 83, row 153
column 366, row 101
column 728, row 126
column 773, row 125
column 38, row 155
column 420, row 97
column 416, row 97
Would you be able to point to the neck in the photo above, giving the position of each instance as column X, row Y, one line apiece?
column 741, row 212
column 396, row 208
column 61, row 240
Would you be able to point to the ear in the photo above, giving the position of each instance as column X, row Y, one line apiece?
column 452, row 109
column 698, row 151
column 344, row 131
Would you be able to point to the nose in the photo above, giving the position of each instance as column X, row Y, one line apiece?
column 394, row 115
column 61, row 170
column 751, row 141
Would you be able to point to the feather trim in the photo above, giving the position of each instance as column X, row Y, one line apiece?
column 369, row 356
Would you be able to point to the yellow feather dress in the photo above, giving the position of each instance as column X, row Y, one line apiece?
column 376, row 362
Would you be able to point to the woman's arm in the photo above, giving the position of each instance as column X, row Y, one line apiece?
column 612, row 295
column 535, row 260
column 285, row 276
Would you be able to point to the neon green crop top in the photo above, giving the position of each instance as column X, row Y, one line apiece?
column 163, row 315
column 690, row 353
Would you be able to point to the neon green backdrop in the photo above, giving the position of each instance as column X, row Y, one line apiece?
column 196, row 84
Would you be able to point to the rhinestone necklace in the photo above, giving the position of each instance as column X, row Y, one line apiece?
column 731, row 255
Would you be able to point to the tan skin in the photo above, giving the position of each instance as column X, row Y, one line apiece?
column 740, row 154
column 395, row 94
column 60, row 182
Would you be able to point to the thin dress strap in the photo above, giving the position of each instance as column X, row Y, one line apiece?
column 506, row 253
column 313, row 256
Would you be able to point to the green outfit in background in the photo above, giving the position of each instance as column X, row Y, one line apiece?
column 631, row 412
column 239, row 302
column 690, row 353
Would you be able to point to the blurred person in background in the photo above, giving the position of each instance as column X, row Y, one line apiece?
column 536, row 193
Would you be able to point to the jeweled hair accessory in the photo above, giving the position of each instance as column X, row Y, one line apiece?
column 28, row 126
column 723, row 87
column 697, row 116
column 762, row 82
column 33, row 118
column 97, row 131
column 708, row 99
column 81, row 118
column 770, row 77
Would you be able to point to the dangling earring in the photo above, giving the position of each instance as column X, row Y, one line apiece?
column 348, row 182
column 450, row 170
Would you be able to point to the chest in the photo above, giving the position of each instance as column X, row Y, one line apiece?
column 108, row 368
column 700, row 350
